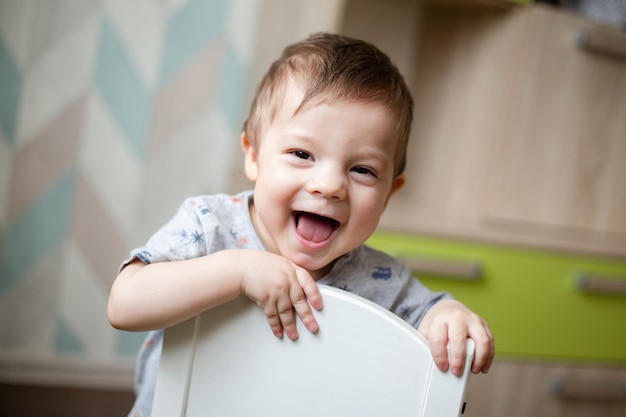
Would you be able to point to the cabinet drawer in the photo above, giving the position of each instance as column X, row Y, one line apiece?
column 533, row 300
column 531, row 389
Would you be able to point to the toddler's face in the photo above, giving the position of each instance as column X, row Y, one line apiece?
column 322, row 178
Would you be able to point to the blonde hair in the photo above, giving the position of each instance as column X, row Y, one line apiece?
column 334, row 68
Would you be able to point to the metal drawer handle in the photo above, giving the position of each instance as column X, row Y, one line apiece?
column 601, row 284
column 601, row 41
column 587, row 390
column 463, row 271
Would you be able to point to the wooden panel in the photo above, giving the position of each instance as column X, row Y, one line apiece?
column 559, row 169
column 461, row 67
column 519, row 133
column 526, row 389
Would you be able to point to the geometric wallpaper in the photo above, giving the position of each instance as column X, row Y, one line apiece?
column 111, row 112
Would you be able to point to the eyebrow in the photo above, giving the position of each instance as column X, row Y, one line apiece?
column 301, row 137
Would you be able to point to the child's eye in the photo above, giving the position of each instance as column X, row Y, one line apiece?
column 301, row 154
column 364, row 171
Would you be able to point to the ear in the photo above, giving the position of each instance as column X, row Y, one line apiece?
column 251, row 160
column 397, row 183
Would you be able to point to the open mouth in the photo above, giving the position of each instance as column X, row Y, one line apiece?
column 314, row 228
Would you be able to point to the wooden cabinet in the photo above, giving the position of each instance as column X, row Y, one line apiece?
column 521, row 389
column 558, row 166
column 519, row 134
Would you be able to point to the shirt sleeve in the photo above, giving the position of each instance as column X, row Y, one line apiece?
column 415, row 299
column 386, row 281
column 183, row 237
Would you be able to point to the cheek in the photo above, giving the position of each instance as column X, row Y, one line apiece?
column 368, row 206
column 275, row 186
column 273, row 180
column 276, row 174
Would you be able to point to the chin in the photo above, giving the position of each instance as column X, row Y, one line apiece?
column 312, row 264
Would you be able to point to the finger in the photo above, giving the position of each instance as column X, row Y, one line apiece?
column 302, row 308
column 309, row 286
column 457, row 347
column 485, row 349
column 271, row 313
column 287, row 317
column 492, row 354
column 437, row 341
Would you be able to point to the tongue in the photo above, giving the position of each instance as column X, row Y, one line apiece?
column 314, row 228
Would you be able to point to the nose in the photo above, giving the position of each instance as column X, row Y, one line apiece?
column 329, row 185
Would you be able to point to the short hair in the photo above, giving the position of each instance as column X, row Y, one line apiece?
column 335, row 68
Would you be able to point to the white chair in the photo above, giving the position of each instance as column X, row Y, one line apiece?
column 364, row 361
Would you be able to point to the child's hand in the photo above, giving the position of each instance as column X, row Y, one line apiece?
column 450, row 323
column 282, row 289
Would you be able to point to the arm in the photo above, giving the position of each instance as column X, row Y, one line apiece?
column 162, row 294
column 450, row 323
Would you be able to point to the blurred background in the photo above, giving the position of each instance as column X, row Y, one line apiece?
column 112, row 112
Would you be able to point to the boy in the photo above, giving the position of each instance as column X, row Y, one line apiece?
column 325, row 145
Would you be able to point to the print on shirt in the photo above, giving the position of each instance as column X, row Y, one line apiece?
column 382, row 272
column 405, row 312
column 144, row 256
column 241, row 240
column 189, row 238
column 202, row 207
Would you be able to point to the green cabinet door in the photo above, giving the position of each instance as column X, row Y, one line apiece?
column 531, row 299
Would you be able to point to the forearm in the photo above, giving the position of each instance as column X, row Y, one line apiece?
column 158, row 295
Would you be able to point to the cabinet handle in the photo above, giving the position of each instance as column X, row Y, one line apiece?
column 463, row 271
column 586, row 390
column 601, row 284
column 601, row 41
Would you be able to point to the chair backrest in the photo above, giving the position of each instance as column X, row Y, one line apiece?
column 364, row 361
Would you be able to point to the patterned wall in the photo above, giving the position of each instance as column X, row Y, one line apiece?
column 111, row 112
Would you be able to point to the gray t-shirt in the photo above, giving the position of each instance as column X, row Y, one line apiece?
column 210, row 223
